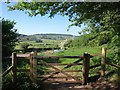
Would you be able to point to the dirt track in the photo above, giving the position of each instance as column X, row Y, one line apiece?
column 98, row 85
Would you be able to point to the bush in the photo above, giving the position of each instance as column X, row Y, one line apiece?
column 25, row 46
column 9, row 37
column 39, row 41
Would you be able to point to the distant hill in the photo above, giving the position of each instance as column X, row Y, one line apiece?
column 22, row 35
column 35, row 37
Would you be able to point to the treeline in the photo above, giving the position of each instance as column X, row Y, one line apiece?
column 34, row 49
column 93, row 39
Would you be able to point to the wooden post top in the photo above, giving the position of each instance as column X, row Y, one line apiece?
column 86, row 54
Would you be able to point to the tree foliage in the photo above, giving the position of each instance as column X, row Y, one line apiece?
column 9, row 37
column 105, row 16
column 78, row 12
column 25, row 46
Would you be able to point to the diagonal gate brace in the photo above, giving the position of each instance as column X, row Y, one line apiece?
column 57, row 71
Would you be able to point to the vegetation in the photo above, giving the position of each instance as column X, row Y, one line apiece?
column 99, row 17
column 91, row 39
column 24, row 64
column 24, row 82
column 41, row 41
column 24, row 46
column 44, row 45
column 9, row 37
column 101, row 29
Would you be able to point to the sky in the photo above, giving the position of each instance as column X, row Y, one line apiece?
column 38, row 24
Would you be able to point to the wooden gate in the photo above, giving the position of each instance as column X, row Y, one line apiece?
column 52, row 70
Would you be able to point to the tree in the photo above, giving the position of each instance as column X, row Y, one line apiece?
column 78, row 12
column 38, row 41
column 105, row 15
column 9, row 37
column 25, row 46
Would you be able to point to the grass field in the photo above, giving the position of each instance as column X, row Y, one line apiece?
column 46, row 43
column 79, row 52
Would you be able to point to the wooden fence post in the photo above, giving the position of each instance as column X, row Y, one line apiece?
column 103, row 61
column 34, row 67
column 31, row 66
column 86, row 65
column 14, row 64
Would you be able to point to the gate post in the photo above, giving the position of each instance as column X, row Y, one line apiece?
column 86, row 65
column 14, row 64
column 31, row 66
column 103, row 61
column 34, row 67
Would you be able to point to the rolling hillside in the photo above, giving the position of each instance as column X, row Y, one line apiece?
column 35, row 37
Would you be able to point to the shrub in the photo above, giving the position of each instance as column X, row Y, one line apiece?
column 9, row 37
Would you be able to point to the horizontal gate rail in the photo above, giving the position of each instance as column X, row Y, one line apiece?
column 63, row 70
column 45, row 76
column 62, row 64
column 55, row 57
column 113, row 65
column 70, row 82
